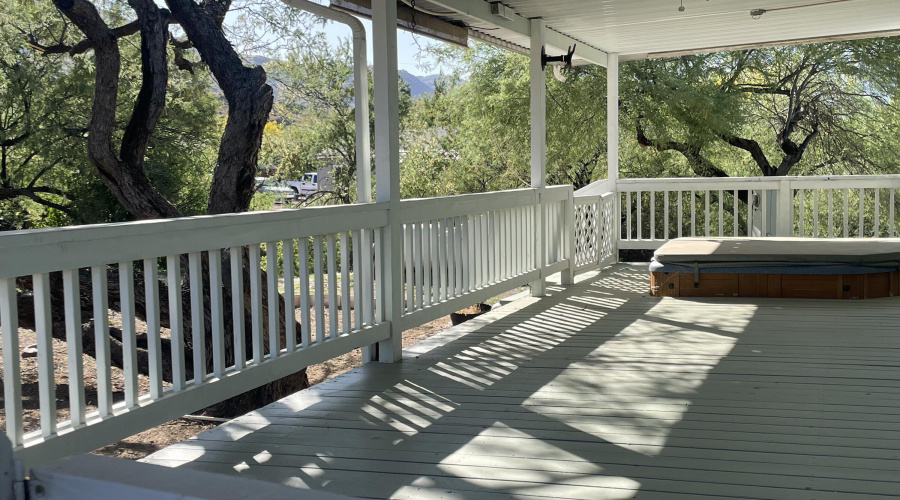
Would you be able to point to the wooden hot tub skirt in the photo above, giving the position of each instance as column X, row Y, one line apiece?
column 800, row 286
column 860, row 268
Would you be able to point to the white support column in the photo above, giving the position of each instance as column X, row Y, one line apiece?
column 612, row 142
column 567, row 276
column 612, row 120
column 387, row 167
column 538, row 148
column 782, row 209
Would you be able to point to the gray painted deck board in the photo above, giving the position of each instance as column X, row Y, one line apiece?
column 599, row 391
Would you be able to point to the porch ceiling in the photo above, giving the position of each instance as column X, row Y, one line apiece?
column 652, row 28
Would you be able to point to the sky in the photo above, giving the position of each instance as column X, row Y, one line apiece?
column 408, row 47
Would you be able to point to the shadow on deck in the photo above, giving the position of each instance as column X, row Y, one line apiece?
column 598, row 391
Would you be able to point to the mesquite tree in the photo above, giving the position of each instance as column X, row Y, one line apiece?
column 118, row 150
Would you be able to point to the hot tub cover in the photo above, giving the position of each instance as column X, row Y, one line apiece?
column 773, row 251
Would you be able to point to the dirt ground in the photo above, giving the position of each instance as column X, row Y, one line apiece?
column 151, row 440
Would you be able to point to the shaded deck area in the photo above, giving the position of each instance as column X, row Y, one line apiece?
column 599, row 391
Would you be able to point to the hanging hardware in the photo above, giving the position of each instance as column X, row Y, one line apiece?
column 757, row 13
column 566, row 59
column 681, row 7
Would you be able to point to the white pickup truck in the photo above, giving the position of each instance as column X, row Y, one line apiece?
column 307, row 185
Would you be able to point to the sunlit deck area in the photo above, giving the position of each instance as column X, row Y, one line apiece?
column 598, row 391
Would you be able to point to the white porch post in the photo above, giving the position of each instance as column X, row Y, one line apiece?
column 538, row 149
column 612, row 120
column 612, row 143
column 782, row 209
column 387, row 168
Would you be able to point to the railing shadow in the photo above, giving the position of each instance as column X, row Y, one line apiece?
column 593, row 391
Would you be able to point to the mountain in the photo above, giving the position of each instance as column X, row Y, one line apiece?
column 418, row 85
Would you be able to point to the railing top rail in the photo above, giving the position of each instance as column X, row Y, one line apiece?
column 796, row 181
column 54, row 249
column 557, row 193
column 423, row 209
column 695, row 183
column 583, row 199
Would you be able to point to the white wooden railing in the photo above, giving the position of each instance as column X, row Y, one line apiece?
column 595, row 226
column 656, row 210
column 284, row 238
column 460, row 250
column 457, row 251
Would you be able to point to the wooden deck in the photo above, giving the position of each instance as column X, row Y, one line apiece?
column 599, row 391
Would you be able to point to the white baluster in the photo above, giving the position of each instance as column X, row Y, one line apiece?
column 272, row 306
column 12, row 374
column 46, row 381
column 129, row 339
column 846, row 213
column 154, row 347
column 876, row 214
column 198, row 327
column 303, row 278
column 427, row 260
column 345, row 282
column 721, row 213
column 319, row 284
column 176, row 330
column 666, row 215
column 706, row 213
column 358, row 253
column 72, row 306
column 332, row 286
column 256, row 306
column 217, row 312
column 409, row 277
column 801, row 195
column 100, row 294
column 237, row 307
column 831, row 213
column 862, row 197
column 442, row 258
column 290, row 311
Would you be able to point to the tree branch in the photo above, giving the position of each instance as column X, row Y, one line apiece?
column 7, row 193
column 698, row 163
column 755, row 151
column 14, row 140
column 154, row 75
column 84, row 45
column 126, row 180
column 249, row 103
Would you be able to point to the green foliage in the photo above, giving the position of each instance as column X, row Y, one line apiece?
column 47, row 99
column 806, row 109
column 315, row 113
column 472, row 134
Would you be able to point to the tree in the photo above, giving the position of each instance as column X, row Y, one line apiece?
column 776, row 111
column 471, row 134
column 47, row 97
column 121, row 153
column 315, row 113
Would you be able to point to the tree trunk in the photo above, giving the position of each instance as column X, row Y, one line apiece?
column 249, row 103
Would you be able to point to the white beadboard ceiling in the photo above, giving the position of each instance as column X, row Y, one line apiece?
column 642, row 28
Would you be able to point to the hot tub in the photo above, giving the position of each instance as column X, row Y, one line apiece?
column 857, row 268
